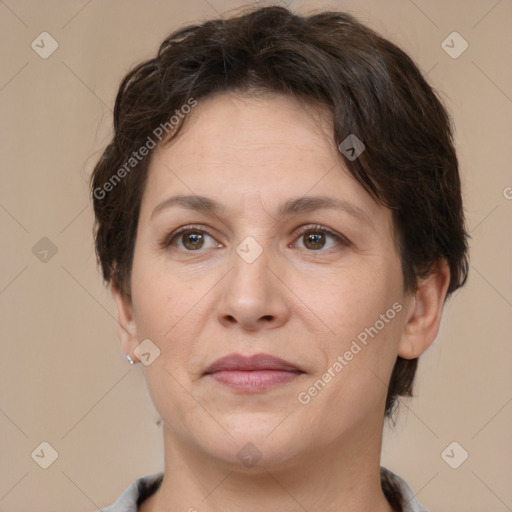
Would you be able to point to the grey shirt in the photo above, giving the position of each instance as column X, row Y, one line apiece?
column 145, row 487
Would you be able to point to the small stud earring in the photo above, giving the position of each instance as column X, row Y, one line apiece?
column 130, row 360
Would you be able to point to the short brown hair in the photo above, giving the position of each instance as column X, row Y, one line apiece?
column 373, row 90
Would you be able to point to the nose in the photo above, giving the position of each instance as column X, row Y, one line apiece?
column 252, row 297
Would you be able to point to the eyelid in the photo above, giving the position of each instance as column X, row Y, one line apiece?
column 168, row 240
column 323, row 229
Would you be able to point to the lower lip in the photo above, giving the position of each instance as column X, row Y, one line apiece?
column 254, row 381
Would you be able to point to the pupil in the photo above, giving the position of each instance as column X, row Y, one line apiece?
column 315, row 240
column 193, row 240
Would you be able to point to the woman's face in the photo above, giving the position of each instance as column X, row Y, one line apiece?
column 286, row 256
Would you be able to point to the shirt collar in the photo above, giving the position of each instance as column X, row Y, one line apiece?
column 144, row 487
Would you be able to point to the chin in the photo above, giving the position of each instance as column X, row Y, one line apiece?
column 257, row 443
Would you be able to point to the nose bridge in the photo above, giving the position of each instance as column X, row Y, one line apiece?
column 251, row 295
column 250, row 261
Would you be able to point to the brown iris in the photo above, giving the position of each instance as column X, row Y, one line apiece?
column 314, row 240
column 192, row 240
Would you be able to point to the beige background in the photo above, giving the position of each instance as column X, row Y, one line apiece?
column 63, row 379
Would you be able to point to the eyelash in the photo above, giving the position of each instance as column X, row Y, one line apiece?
column 317, row 228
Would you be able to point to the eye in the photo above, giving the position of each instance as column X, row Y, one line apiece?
column 316, row 238
column 311, row 238
column 191, row 239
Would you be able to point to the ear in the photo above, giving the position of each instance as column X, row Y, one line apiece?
column 126, row 328
column 425, row 312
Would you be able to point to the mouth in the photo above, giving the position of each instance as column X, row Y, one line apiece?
column 253, row 374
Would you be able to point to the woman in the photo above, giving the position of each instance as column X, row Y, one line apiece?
column 279, row 217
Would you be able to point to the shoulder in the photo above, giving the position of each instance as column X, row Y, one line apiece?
column 410, row 503
column 136, row 493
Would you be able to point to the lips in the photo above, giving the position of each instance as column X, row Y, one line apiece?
column 252, row 363
column 256, row 373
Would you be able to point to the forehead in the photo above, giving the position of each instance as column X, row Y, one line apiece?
column 226, row 127
column 259, row 150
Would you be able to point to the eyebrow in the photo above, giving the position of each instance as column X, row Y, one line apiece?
column 194, row 203
column 290, row 207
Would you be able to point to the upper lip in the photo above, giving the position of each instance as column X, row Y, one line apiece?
column 251, row 363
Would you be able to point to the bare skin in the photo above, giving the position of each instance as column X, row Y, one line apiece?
column 305, row 299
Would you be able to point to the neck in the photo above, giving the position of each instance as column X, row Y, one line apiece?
column 341, row 476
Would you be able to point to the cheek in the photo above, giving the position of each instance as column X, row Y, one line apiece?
column 166, row 312
column 368, row 320
column 162, row 307
column 172, row 309
column 161, row 299
column 365, row 316
column 350, row 298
